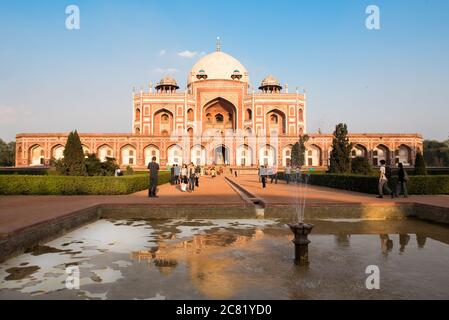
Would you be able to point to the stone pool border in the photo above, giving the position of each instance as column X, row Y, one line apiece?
column 20, row 240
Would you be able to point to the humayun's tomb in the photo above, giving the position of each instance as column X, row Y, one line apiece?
column 219, row 119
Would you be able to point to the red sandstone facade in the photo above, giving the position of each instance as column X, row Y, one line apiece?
column 219, row 119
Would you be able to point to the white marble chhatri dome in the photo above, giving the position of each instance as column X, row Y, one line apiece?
column 218, row 65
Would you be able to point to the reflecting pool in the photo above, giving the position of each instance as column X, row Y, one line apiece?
column 234, row 259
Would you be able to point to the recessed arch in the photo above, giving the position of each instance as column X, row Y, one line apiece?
column 276, row 122
column 404, row 155
column 381, row 152
column 220, row 114
column 313, row 156
column 57, row 152
column 36, row 155
column 105, row 151
column 267, row 155
column 287, row 155
column 359, row 150
column 175, row 155
column 198, row 155
column 128, row 155
column 245, row 157
column 163, row 122
column 149, row 152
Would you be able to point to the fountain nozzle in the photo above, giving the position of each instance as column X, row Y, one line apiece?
column 301, row 231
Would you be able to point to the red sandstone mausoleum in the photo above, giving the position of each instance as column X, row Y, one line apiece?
column 219, row 119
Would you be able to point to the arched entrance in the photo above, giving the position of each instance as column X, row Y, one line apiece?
column 221, row 155
column 219, row 114
column 244, row 156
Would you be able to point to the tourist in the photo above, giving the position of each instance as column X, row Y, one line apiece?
column 184, row 178
column 177, row 173
column 235, row 173
column 287, row 173
column 383, row 180
column 213, row 173
column 172, row 174
column 401, row 186
column 154, row 170
column 274, row 174
column 191, row 177
column 259, row 173
column 198, row 170
column 298, row 175
column 269, row 173
column 293, row 175
column 263, row 176
column 118, row 173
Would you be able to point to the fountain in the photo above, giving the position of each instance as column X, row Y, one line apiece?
column 300, row 229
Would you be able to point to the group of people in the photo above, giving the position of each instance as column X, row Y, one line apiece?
column 291, row 174
column 188, row 176
column 385, row 175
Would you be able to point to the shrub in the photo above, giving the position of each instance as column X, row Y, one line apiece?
column 72, row 185
column 420, row 166
column 129, row 171
column 361, row 165
column 368, row 184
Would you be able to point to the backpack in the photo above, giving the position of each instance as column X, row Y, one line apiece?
column 388, row 172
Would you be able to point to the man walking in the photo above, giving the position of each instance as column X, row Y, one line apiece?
column 154, row 169
column 263, row 176
column 191, row 169
column 288, row 171
column 383, row 180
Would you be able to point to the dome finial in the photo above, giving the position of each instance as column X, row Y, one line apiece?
column 218, row 44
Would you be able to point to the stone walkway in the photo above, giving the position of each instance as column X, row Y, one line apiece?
column 282, row 193
column 20, row 212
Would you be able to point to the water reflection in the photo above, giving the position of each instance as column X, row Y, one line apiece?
column 386, row 244
column 224, row 259
column 403, row 241
column 343, row 239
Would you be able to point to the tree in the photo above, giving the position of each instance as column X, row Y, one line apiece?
column 420, row 166
column 436, row 154
column 73, row 163
column 7, row 154
column 340, row 157
column 295, row 155
column 298, row 151
column 361, row 165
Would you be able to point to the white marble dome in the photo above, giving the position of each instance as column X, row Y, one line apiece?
column 218, row 65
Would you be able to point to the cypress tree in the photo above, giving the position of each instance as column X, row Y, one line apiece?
column 420, row 165
column 340, row 157
column 298, row 152
column 295, row 155
column 73, row 163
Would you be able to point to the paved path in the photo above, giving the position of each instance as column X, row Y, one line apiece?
column 282, row 193
column 18, row 212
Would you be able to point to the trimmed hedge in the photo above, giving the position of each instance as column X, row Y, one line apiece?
column 424, row 185
column 37, row 171
column 69, row 185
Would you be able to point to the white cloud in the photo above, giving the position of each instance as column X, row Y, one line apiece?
column 166, row 70
column 187, row 54
column 162, row 52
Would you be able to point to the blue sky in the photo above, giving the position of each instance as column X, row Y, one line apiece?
column 395, row 79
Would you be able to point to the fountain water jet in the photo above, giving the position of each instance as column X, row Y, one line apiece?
column 300, row 229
